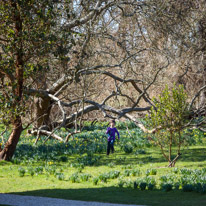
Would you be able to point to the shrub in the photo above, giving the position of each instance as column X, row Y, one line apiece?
column 121, row 159
column 113, row 174
column 200, row 188
column 185, row 180
column 177, row 186
column 203, row 189
column 135, row 172
column 111, row 165
column 150, row 180
column 63, row 159
column 85, row 177
column 170, row 111
column 185, row 171
column 151, row 186
column 147, row 172
column 127, row 166
column 129, row 184
column 188, row 188
column 197, row 187
column 135, row 185
column 60, row 169
column 128, row 148
column 95, row 180
column 60, row 176
column 121, row 183
column 153, row 172
column 166, row 179
column 21, row 171
column 203, row 171
column 175, row 170
column 38, row 170
column 79, row 166
column 143, row 185
column 140, row 151
column 166, row 187
column 103, row 177
column 74, row 178
column 127, row 173
column 31, row 171
column 51, row 169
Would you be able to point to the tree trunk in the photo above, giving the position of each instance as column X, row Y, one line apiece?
column 173, row 162
column 170, row 147
column 10, row 146
column 43, row 109
column 202, row 35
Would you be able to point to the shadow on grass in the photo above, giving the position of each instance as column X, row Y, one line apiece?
column 132, row 161
column 193, row 155
column 123, row 195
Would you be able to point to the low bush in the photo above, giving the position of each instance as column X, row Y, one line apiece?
column 140, row 151
column 151, row 172
column 103, row 177
column 21, row 171
column 38, row 170
column 166, row 187
column 85, row 177
column 63, row 159
column 121, row 183
column 150, row 186
column 128, row 148
column 74, row 178
column 51, row 169
column 135, row 172
column 60, row 176
column 111, row 165
column 135, row 185
column 188, row 188
column 31, row 171
column 129, row 184
column 95, row 180
column 113, row 174
column 129, row 166
column 143, row 185
column 127, row 172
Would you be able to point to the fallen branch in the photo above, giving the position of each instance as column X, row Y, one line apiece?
column 71, row 134
column 44, row 132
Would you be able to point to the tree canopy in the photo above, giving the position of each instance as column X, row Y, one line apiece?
column 62, row 61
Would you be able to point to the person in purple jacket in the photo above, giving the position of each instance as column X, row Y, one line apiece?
column 111, row 136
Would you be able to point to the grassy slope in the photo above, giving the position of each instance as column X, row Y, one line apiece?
column 42, row 185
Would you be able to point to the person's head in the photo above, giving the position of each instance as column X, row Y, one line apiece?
column 112, row 123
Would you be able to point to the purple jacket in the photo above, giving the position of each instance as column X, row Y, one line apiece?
column 111, row 133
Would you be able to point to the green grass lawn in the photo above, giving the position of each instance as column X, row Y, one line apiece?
column 58, row 170
column 49, row 186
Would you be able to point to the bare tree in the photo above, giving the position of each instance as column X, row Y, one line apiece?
column 123, row 60
column 106, row 56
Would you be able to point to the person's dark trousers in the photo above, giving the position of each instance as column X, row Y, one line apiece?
column 110, row 146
